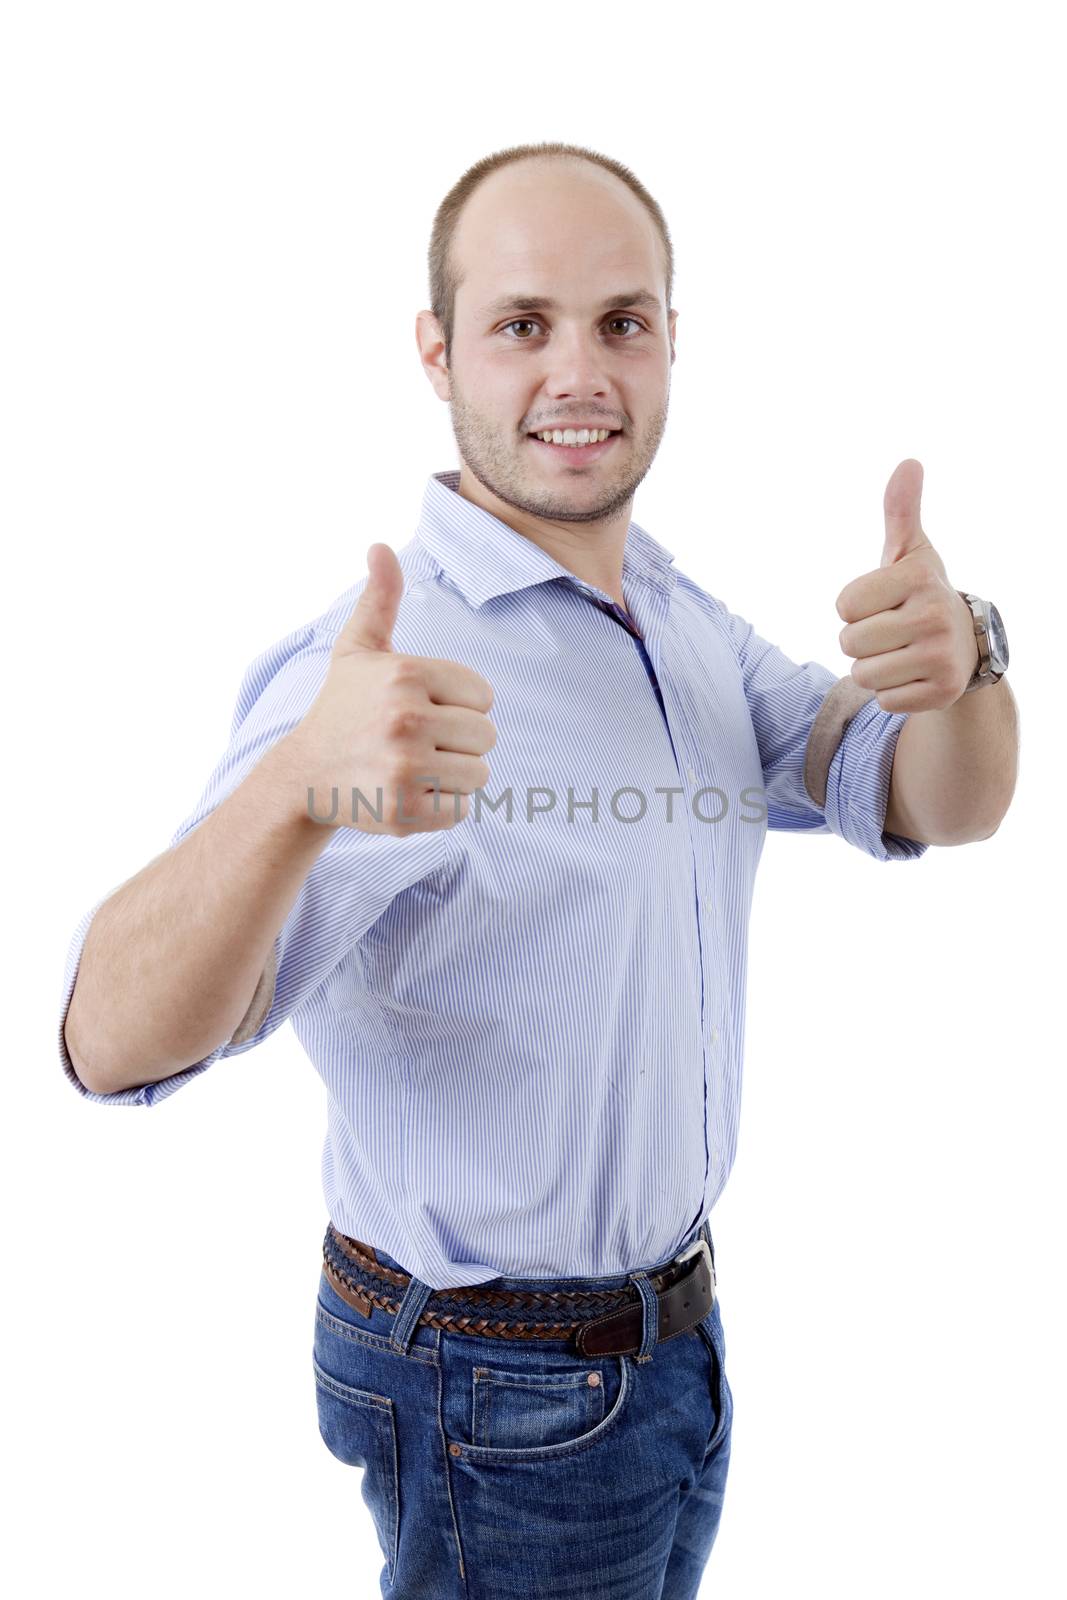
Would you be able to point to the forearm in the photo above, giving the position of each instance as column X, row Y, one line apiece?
column 954, row 771
column 173, row 958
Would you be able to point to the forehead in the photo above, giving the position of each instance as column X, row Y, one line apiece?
column 573, row 233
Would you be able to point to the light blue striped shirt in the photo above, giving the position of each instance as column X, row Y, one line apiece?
column 531, row 1026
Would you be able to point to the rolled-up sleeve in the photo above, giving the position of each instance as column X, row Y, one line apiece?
column 352, row 883
column 857, row 785
column 784, row 698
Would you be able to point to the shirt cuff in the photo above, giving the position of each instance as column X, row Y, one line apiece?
column 145, row 1094
column 857, row 785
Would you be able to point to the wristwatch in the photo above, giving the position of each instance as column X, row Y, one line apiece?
column 992, row 641
column 846, row 697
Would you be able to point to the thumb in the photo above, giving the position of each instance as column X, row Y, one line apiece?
column 370, row 623
column 902, row 507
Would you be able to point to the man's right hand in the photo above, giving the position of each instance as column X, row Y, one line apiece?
column 390, row 721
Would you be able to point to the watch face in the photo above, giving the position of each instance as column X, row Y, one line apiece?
column 998, row 641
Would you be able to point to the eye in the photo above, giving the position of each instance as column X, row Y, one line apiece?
column 531, row 322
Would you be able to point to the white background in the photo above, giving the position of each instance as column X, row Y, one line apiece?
column 216, row 222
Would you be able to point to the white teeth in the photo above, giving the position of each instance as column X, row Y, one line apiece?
column 573, row 436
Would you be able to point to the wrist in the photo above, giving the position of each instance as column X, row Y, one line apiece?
column 286, row 770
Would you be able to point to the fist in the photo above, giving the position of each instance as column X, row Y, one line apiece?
column 413, row 727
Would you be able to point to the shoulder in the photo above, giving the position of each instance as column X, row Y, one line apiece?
column 431, row 612
column 698, row 606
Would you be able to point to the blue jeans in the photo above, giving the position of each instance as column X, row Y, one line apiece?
column 517, row 1469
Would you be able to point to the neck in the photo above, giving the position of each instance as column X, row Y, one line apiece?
column 593, row 551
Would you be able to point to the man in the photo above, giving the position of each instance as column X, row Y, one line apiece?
column 522, row 978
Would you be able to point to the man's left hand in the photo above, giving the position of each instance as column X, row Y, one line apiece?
column 911, row 633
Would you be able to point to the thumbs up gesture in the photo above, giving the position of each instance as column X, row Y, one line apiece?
column 911, row 633
column 414, row 727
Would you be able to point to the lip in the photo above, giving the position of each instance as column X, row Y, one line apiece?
column 578, row 457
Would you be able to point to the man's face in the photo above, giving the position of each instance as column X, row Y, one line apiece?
column 576, row 236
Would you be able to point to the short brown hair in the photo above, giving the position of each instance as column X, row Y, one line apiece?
column 444, row 280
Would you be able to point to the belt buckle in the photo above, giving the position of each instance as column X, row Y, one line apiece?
column 698, row 1244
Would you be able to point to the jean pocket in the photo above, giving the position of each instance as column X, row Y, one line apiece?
column 711, row 1331
column 520, row 1410
column 543, row 1409
column 359, row 1428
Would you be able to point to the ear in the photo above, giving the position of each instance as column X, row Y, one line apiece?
column 430, row 338
column 671, row 323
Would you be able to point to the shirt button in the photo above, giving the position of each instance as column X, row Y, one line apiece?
column 714, row 1034
column 692, row 776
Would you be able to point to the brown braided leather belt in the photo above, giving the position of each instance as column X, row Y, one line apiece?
column 597, row 1322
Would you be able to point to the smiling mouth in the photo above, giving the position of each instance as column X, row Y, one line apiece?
column 578, row 453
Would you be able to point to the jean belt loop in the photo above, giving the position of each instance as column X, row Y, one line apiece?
column 649, row 1315
column 412, row 1302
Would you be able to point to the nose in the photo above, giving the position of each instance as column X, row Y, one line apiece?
column 576, row 366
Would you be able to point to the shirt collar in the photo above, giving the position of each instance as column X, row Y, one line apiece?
column 484, row 557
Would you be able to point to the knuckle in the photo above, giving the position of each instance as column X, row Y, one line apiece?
column 402, row 721
column 403, row 672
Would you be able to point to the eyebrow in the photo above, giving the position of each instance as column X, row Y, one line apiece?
column 641, row 298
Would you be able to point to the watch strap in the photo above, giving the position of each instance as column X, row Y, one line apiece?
column 984, row 672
